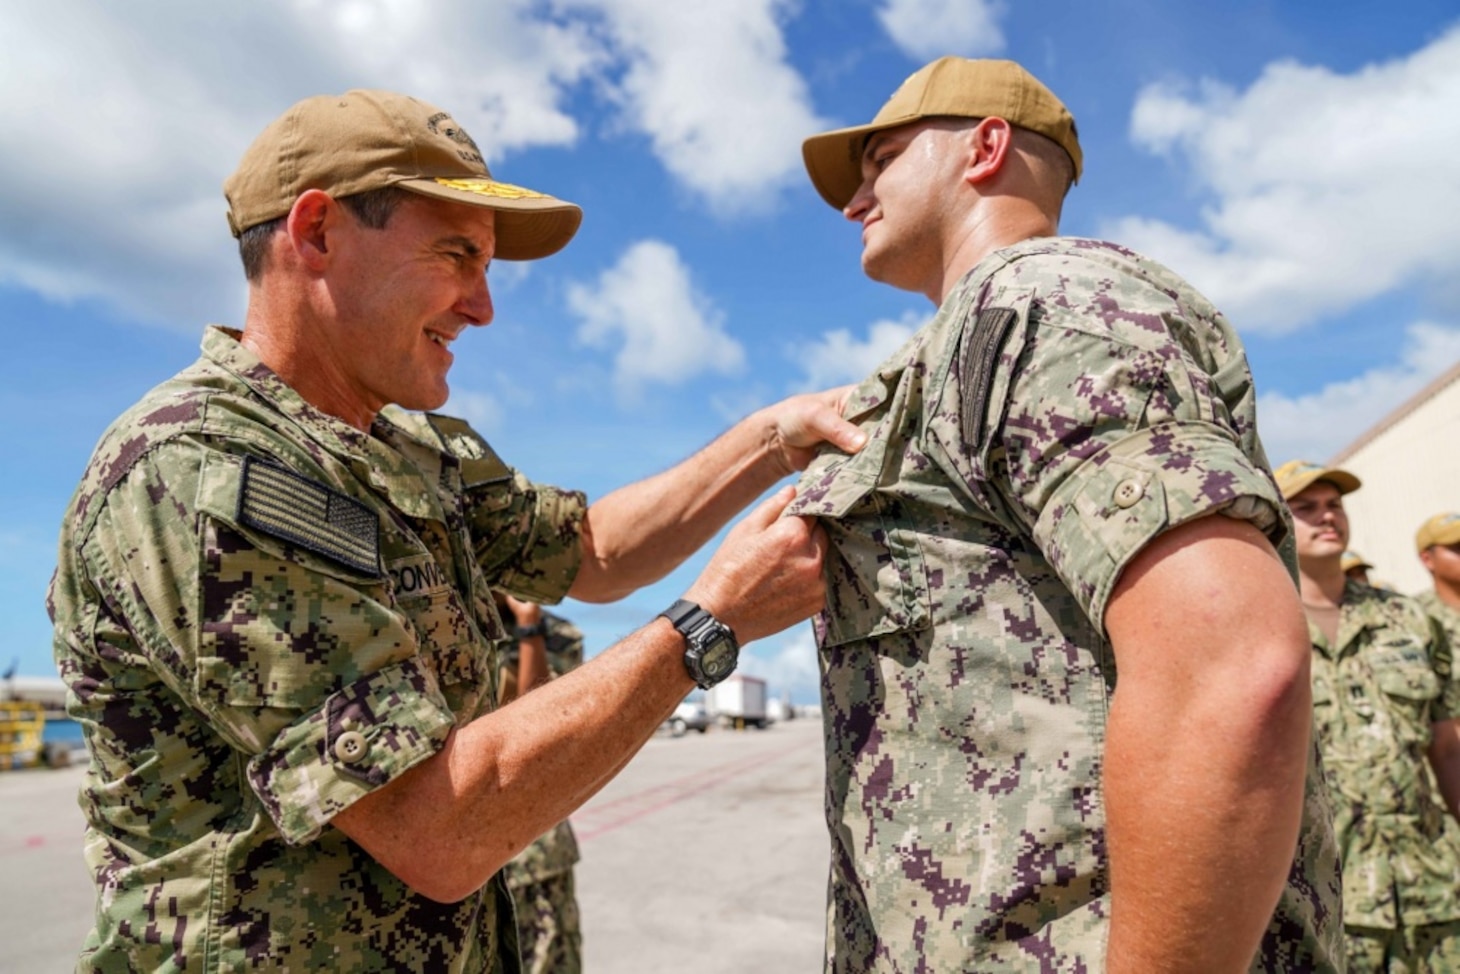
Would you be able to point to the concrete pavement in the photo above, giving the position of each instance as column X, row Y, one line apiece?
column 707, row 853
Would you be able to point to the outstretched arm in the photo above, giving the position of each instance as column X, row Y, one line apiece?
column 445, row 826
column 1207, row 747
column 639, row 533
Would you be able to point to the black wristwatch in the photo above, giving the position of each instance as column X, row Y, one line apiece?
column 710, row 652
column 538, row 628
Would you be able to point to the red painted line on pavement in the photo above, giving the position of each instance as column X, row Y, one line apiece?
column 675, row 792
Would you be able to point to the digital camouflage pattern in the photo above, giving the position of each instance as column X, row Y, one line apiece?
column 1433, row 948
column 1447, row 616
column 548, row 928
column 1070, row 401
column 541, row 876
column 1375, row 696
column 263, row 614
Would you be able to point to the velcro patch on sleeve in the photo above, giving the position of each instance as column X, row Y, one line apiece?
column 981, row 346
column 281, row 503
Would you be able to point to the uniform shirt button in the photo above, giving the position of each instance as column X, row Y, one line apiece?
column 350, row 747
column 1127, row 492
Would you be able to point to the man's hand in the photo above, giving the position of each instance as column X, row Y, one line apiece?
column 799, row 425
column 767, row 573
column 638, row 534
column 524, row 612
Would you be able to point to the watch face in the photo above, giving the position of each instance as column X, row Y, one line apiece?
column 718, row 659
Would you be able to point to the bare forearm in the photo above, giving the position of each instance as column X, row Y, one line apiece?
column 447, row 825
column 638, row 534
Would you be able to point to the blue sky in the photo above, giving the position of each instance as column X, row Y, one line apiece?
column 1296, row 161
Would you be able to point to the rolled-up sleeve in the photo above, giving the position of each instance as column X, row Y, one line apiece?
column 364, row 736
column 527, row 536
column 1108, row 442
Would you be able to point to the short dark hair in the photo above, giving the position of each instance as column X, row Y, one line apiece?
column 373, row 208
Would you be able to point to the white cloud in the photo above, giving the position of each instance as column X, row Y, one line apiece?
column 1328, row 189
column 837, row 358
column 481, row 409
column 709, row 83
column 787, row 666
column 1318, row 425
column 118, row 123
column 666, row 332
column 931, row 28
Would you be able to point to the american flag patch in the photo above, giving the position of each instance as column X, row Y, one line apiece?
column 281, row 503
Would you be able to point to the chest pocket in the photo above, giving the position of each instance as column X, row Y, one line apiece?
column 1402, row 670
column 876, row 576
column 452, row 641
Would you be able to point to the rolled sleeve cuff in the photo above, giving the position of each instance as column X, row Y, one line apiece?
column 1156, row 479
column 554, row 548
column 363, row 737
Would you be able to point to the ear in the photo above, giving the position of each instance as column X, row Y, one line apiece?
column 312, row 221
column 989, row 144
column 1427, row 559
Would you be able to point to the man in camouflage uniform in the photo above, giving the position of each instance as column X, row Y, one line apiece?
column 273, row 604
column 1384, row 702
column 541, row 647
column 1438, row 543
column 1035, row 509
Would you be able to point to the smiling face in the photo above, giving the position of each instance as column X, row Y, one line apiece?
column 1320, row 523
column 402, row 295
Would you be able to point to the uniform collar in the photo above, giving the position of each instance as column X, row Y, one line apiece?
column 373, row 457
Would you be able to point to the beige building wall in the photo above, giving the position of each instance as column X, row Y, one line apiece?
column 1410, row 465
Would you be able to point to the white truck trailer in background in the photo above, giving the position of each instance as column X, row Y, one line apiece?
column 740, row 701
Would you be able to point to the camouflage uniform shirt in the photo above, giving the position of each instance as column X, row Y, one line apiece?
column 262, row 615
column 1375, row 696
column 1069, row 402
column 1444, row 614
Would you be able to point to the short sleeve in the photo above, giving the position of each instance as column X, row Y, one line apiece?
column 527, row 536
column 1108, row 439
column 295, row 661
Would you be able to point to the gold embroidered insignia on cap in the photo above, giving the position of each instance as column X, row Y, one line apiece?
column 490, row 187
column 281, row 503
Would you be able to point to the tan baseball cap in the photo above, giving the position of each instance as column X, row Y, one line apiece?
column 1296, row 476
column 1440, row 529
column 363, row 140
column 1352, row 560
column 949, row 86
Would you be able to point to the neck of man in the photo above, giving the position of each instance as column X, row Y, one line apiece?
column 1321, row 581
column 294, row 345
column 1447, row 592
column 989, row 228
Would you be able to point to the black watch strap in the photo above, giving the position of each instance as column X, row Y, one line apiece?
column 538, row 628
column 681, row 612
